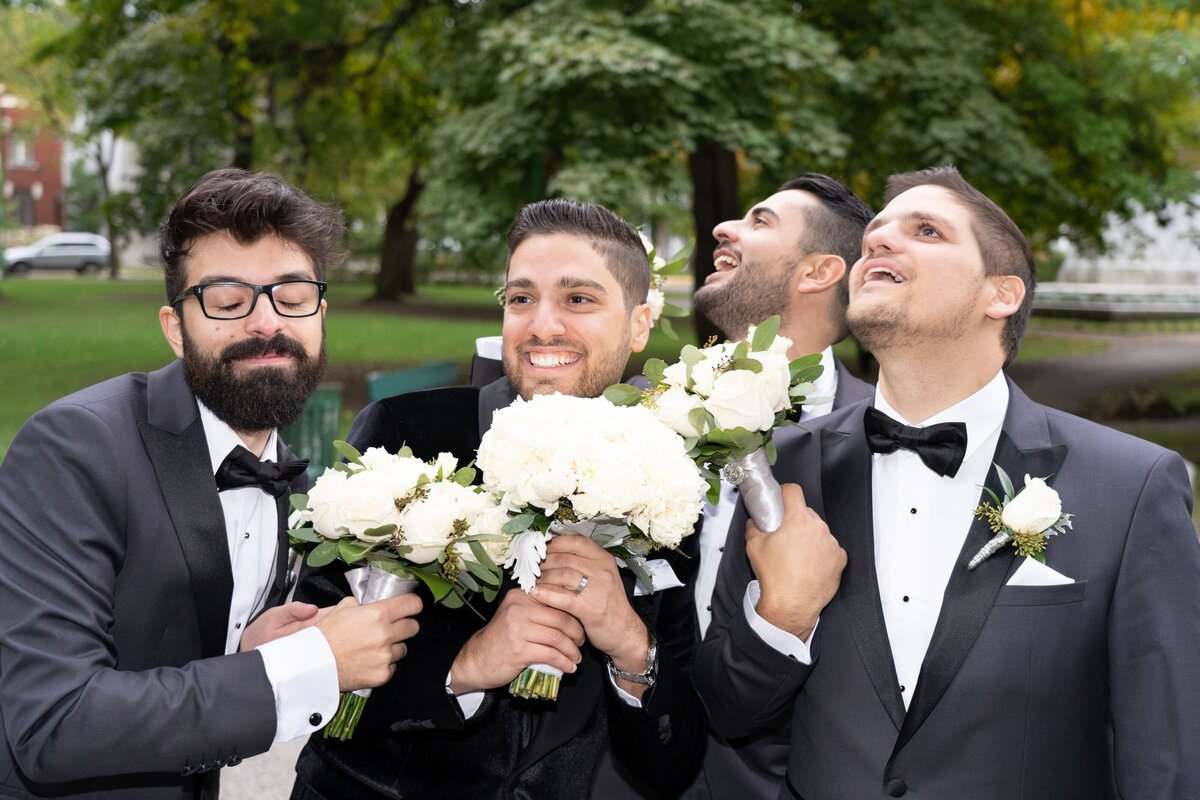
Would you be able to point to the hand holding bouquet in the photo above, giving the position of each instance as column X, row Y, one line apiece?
column 405, row 520
column 562, row 464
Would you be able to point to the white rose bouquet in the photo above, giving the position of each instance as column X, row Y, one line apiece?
column 1026, row 518
column 726, row 400
column 563, row 464
column 406, row 520
column 656, row 298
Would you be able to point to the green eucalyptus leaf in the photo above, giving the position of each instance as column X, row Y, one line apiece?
column 518, row 524
column 304, row 534
column 664, row 325
column 348, row 451
column 655, row 370
column 748, row 364
column 765, row 332
column 299, row 501
column 622, row 394
column 465, row 476
column 322, row 554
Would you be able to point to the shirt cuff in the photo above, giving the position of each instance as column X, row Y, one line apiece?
column 303, row 675
column 468, row 703
column 625, row 696
column 786, row 643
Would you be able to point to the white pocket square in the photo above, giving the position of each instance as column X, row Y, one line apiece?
column 1034, row 573
column 661, row 577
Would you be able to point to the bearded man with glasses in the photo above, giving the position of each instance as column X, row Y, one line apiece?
column 142, row 642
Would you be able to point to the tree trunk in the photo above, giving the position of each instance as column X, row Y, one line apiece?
column 398, row 259
column 714, row 199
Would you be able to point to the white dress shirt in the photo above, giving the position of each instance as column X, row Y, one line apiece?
column 920, row 521
column 715, row 528
column 300, row 667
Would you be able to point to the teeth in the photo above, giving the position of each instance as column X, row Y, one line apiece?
column 884, row 271
column 726, row 261
column 552, row 359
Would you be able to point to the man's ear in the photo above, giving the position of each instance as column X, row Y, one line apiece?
column 172, row 328
column 1007, row 294
column 820, row 272
column 639, row 324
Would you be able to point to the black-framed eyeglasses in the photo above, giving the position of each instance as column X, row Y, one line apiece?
column 234, row 299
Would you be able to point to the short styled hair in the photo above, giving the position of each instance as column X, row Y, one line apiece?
column 1002, row 247
column 613, row 238
column 247, row 206
column 834, row 226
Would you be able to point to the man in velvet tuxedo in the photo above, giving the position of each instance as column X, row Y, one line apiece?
column 446, row 725
column 143, row 536
column 789, row 255
column 902, row 670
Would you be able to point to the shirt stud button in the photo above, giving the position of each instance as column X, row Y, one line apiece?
column 314, row 719
column 237, row 625
column 912, row 511
column 906, row 598
column 246, row 535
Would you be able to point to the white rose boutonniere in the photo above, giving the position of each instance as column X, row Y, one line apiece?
column 1026, row 518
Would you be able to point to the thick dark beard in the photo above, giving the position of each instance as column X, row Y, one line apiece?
column 265, row 397
column 742, row 302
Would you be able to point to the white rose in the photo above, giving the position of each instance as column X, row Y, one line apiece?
column 775, row 378
column 446, row 463
column 427, row 525
column 704, row 373
column 323, row 510
column 738, row 401
column 675, row 374
column 780, row 345
column 366, row 502
column 656, row 300
column 1034, row 509
column 672, row 408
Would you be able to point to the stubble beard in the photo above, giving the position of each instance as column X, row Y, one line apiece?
column 258, row 398
column 600, row 369
column 739, row 302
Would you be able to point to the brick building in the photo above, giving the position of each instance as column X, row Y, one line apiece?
column 31, row 158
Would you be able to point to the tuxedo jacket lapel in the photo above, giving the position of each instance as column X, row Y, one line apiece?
column 1023, row 448
column 174, row 439
column 846, row 489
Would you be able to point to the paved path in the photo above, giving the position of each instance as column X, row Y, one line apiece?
column 265, row 777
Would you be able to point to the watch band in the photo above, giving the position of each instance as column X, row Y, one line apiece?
column 646, row 678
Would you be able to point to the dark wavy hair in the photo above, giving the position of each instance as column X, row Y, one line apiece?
column 247, row 206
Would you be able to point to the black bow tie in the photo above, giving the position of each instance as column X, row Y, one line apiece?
column 942, row 446
column 242, row 468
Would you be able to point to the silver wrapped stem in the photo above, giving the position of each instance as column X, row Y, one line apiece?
column 989, row 549
column 371, row 583
column 759, row 489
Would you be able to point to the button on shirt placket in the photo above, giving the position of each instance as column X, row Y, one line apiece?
column 921, row 520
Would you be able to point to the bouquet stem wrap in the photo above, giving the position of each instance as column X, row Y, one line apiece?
column 540, row 681
column 759, row 489
column 367, row 584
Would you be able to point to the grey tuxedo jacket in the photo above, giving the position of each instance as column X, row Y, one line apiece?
column 115, row 586
column 1083, row 690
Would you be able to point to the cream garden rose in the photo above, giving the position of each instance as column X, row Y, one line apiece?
column 1034, row 509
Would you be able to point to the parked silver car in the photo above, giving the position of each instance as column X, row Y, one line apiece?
column 86, row 253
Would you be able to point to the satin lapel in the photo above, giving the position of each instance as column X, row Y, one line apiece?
column 846, row 487
column 970, row 594
column 185, row 476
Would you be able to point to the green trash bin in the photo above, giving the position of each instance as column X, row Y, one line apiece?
column 312, row 435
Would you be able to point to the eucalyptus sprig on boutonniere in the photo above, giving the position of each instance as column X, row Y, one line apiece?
column 1025, row 518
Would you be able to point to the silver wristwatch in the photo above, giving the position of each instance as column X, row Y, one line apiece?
column 645, row 678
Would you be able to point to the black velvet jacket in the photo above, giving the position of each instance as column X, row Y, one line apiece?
column 413, row 740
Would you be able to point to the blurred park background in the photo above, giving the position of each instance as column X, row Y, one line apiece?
column 432, row 121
